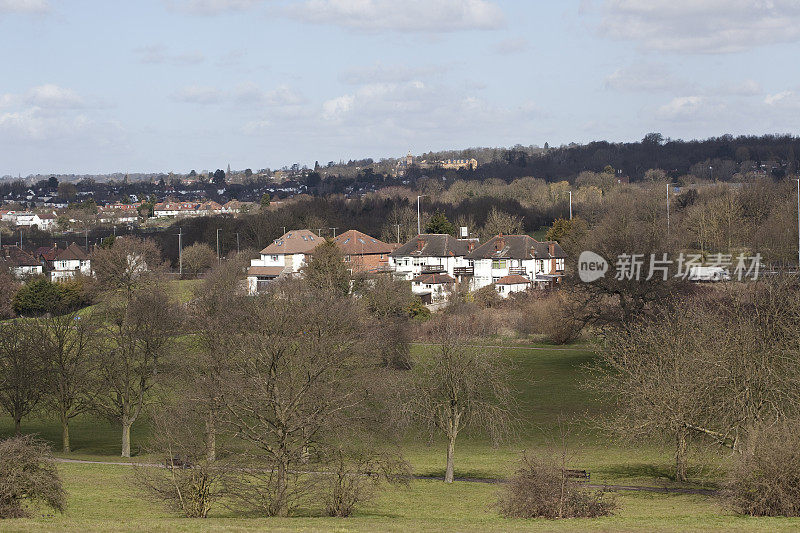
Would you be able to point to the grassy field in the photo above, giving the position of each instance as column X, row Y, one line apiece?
column 102, row 497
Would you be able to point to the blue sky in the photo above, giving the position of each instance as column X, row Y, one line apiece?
column 173, row 85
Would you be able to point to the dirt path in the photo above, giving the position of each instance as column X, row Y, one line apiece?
column 634, row 488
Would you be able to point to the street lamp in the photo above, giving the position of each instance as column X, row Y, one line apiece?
column 419, row 228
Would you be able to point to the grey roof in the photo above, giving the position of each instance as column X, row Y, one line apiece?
column 517, row 247
column 433, row 245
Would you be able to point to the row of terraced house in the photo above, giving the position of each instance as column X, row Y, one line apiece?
column 434, row 263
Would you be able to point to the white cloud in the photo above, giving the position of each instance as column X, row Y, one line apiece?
column 24, row 6
column 195, row 94
column 210, row 7
column 158, row 54
column 283, row 95
column 433, row 16
column 681, row 106
column 743, row 88
column 336, row 107
column 708, row 26
column 778, row 98
column 514, row 45
column 52, row 96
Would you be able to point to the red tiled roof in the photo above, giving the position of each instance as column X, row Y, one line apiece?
column 353, row 242
column 434, row 279
column 265, row 271
column 301, row 241
column 73, row 252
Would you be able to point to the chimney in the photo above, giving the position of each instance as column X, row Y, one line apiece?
column 471, row 246
column 500, row 243
column 552, row 247
column 420, row 244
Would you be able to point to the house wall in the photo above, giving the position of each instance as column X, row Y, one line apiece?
column 366, row 262
column 409, row 267
column 507, row 290
column 486, row 273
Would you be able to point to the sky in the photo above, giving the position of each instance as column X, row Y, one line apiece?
column 173, row 85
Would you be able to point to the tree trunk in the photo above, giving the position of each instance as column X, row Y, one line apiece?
column 17, row 426
column 126, row 439
column 211, row 437
column 65, row 436
column 451, row 449
column 681, row 444
column 281, row 505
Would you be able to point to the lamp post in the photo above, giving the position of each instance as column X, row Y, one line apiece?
column 398, row 233
column 419, row 226
column 180, row 252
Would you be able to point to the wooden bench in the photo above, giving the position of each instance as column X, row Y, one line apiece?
column 578, row 475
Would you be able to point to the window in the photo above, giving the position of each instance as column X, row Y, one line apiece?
column 273, row 258
column 347, row 259
column 498, row 263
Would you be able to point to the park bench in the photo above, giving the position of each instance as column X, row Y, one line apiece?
column 578, row 475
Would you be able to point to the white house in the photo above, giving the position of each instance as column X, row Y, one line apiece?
column 69, row 262
column 285, row 256
column 431, row 253
column 508, row 285
column 45, row 221
column 19, row 262
column 433, row 288
column 541, row 263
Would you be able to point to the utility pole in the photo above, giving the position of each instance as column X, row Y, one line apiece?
column 398, row 233
column 237, row 243
column 570, row 205
column 419, row 228
column 180, row 252
column 218, row 258
column 86, row 234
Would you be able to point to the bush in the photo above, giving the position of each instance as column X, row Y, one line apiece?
column 354, row 478
column 766, row 479
column 42, row 296
column 540, row 489
column 487, row 297
column 28, row 474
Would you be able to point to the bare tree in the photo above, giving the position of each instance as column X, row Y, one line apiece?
column 8, row 289
column 676, row 377
column 21, row 376
column 216, row 314
column 301, row 375
column 134, row 341
column 64, row 345
column 198, row 258
column 460, row 386
column 129, row 264
column 188, row 482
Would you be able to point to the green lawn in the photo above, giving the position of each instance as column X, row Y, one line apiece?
column 101, row 497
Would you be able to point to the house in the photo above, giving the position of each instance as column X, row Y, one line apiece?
column 508, row 285
column 363, row 253
column 44, row 221
column 284, row 257
column 69, row 262
column 508, row 255
column 19, row 262
column 431, row 253
column 433, row 288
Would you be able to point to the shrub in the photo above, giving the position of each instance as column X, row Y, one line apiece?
column 28, row 474
column 765, row 480
column 540, row 489
column 487, row 297
column 354, row 477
